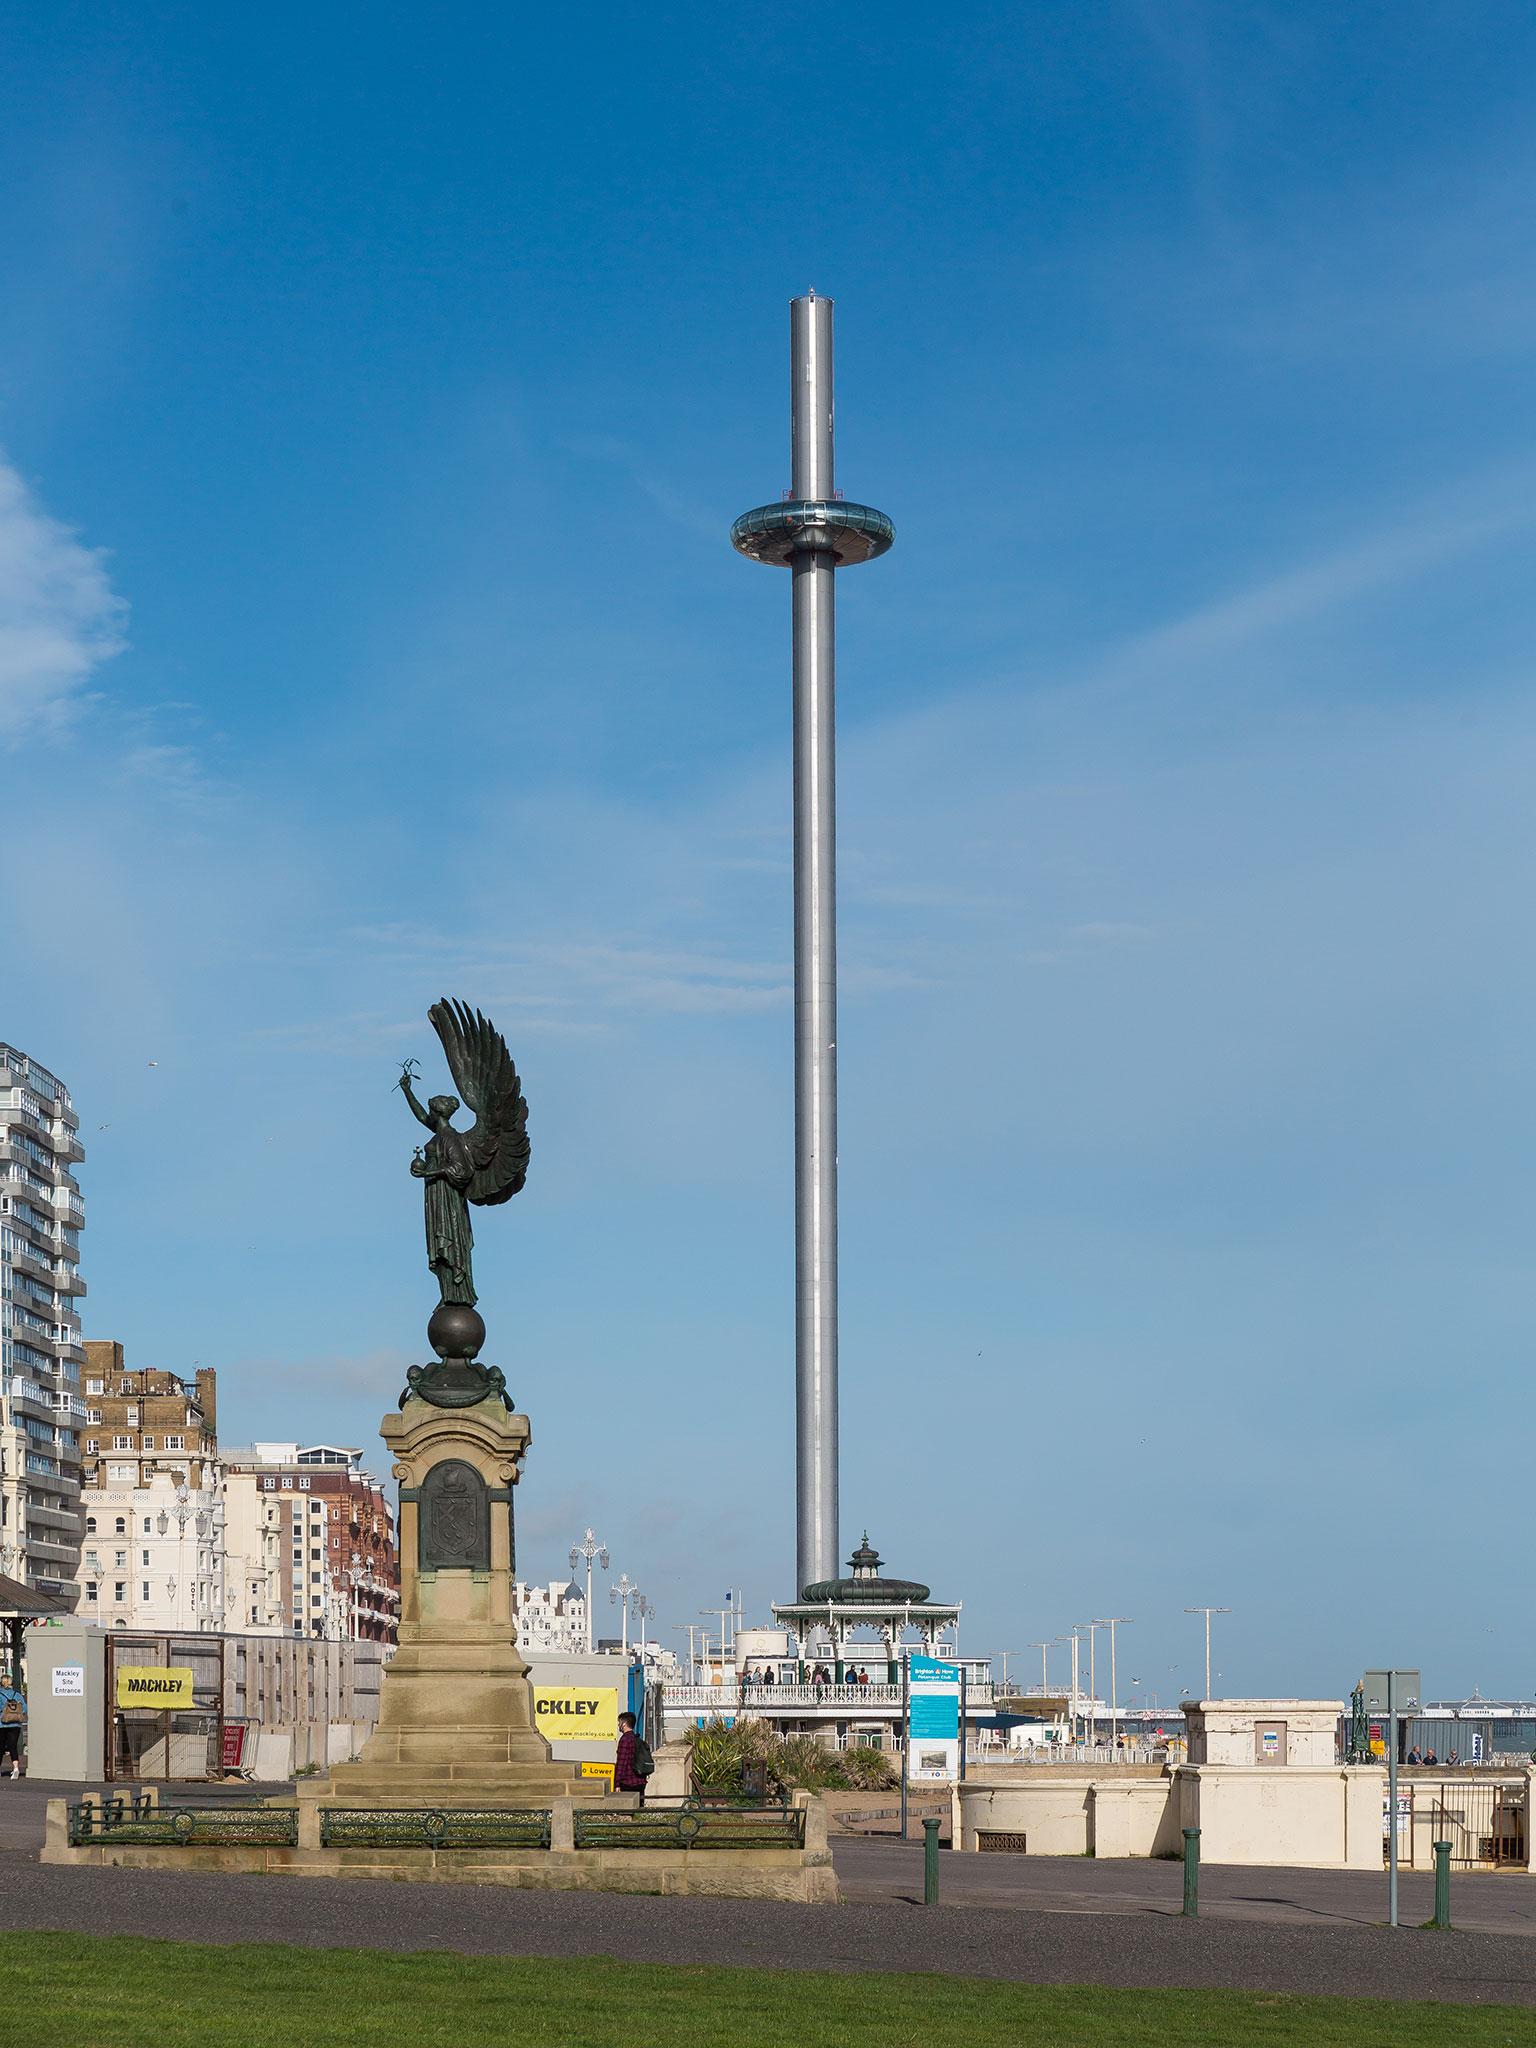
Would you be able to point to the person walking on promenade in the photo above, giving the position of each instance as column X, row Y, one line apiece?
column 633, row 1762
column 13, row 1719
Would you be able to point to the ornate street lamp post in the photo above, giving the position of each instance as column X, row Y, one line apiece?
column 622, row 1593
column 643, row 1608
column 588, row 1548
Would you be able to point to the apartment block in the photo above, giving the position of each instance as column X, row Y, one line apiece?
column 146, row 1421
column 319, row 1537
column 153, row 1550
column 41, row 1216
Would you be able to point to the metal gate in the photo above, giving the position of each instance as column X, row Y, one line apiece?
column 1484, row 1822
column 162, row 1744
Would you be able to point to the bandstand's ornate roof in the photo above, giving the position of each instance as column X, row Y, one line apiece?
column 866, row 1587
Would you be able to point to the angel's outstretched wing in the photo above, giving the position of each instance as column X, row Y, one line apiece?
column 485, row 1077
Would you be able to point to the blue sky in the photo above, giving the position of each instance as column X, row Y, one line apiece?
column 377, row 388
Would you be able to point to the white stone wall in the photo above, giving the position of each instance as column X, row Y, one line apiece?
column 1226, row 1731
column 1246, row 1813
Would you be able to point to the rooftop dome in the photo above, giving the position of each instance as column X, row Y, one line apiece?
column 866, row 1585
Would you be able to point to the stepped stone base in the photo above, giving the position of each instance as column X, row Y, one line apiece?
column 456, row 1724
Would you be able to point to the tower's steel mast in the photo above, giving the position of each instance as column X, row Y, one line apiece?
column 814, row 533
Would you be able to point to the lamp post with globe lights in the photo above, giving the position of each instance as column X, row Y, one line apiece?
column 621, row 1594
column 589, row 1548
column 182, row 1510
column 643, row 1609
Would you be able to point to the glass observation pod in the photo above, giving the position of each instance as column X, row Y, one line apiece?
column 851, row 533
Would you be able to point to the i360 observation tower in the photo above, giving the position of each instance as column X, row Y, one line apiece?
column 813, row 533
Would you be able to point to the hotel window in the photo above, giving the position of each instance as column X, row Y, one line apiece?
column 144, row 1590
column 122, row 1443
column 144, row 1557
column 149, row 1443
column 314, row 1580
column 119, row 1591
column 94, row 1387
column 90, row 1525
column 147, row 1527
column 314, row 1556
column 92, row 1444
column 120, row 1527
column 173, row 1443
column 90, row 1592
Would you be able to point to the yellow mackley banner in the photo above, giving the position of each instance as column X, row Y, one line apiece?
column 577, row 1713
column 154, row 1685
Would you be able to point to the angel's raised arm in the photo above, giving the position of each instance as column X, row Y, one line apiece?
column 410, row 1095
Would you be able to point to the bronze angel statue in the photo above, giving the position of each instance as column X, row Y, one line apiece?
column 487, row 1163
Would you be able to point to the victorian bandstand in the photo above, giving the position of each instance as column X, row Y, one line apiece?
column 846, row 1625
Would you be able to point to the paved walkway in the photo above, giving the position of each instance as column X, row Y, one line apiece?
column 873, row 1871
column 1036, row 1920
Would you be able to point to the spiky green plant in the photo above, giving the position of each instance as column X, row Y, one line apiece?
column 868, row 1769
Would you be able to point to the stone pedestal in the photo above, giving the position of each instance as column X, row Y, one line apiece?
column 456, row 1724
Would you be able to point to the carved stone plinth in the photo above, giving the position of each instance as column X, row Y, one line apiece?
column 456, row 1724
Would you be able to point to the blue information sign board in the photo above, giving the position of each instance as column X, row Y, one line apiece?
column 934, row 1700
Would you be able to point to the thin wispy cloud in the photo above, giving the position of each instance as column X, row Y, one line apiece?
column 1438, row 530
column 60, row 618
column 585, row 978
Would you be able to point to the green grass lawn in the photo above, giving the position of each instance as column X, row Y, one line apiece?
column 118, row 1993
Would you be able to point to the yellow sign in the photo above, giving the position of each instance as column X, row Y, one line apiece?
column 153, row 1685
column 577, row 1713
column 603, row 1771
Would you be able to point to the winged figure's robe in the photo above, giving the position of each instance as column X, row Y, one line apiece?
column 450, row 1240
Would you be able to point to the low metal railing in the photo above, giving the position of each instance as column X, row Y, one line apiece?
column 415, row 1827
column 224, row 1824
column 688, row 1826
column 1072, row 1753
column 765, row 1698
